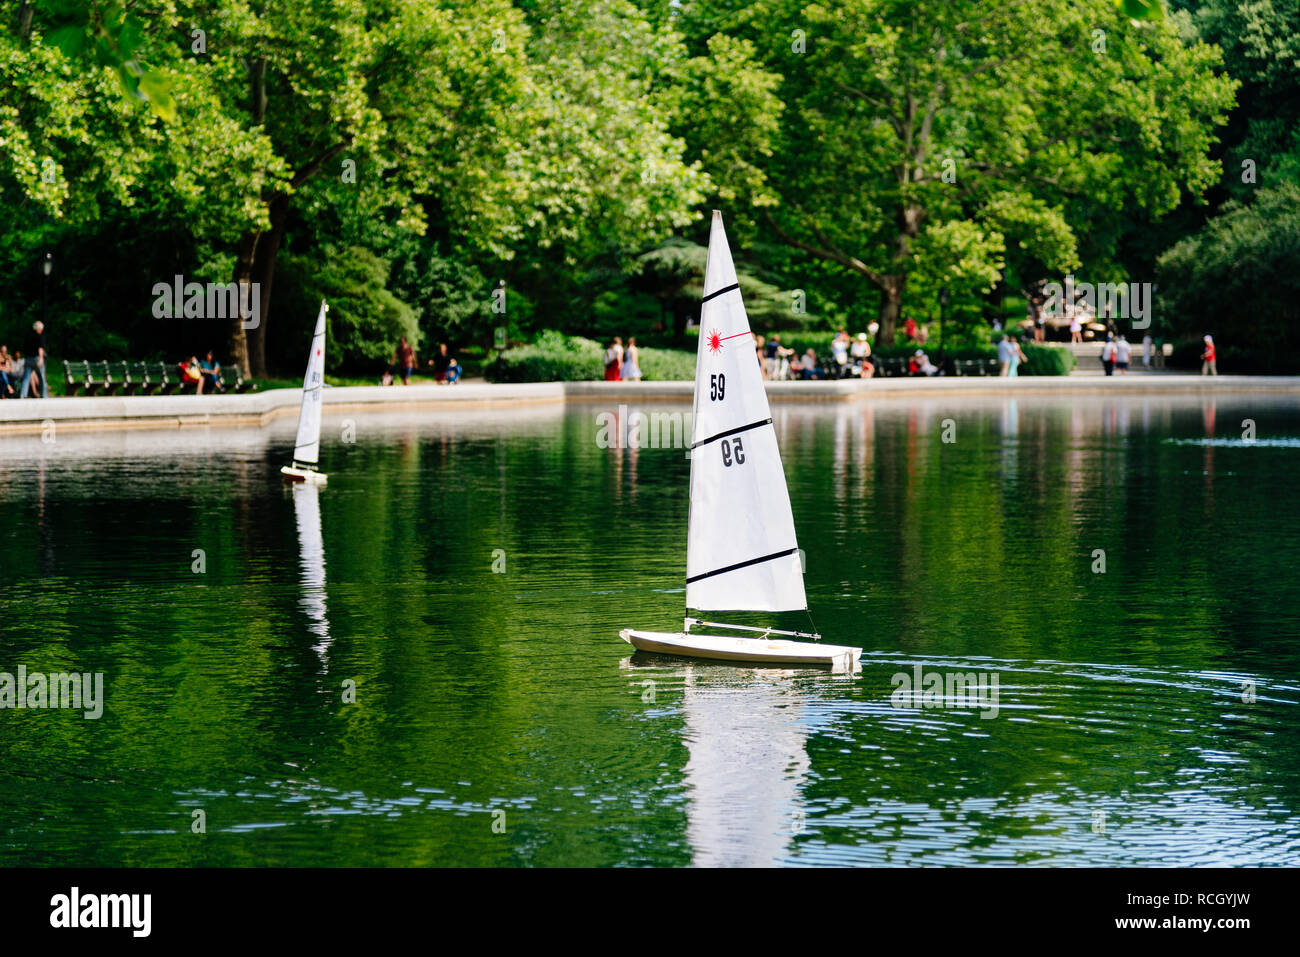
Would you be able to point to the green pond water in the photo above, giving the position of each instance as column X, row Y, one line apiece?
column 468, row 573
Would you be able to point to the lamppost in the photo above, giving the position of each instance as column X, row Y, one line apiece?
column 943, row 306
column 47, row 265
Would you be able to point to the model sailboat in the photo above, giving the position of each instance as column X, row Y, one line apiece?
column 741, row 549
column 306, row 450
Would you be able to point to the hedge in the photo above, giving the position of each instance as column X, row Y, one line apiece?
column 558, row 358
column 555, row 357
column 1270, row 359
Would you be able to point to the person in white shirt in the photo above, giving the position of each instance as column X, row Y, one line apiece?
column 1147, row 344
column 631, row 369
column 840, row 350
column 1123, row 352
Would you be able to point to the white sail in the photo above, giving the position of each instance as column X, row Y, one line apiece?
column 311, row 553
column 741, row 549
column 306, row 450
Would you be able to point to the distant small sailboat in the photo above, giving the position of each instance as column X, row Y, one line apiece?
column 306, row 450
column 741, row 549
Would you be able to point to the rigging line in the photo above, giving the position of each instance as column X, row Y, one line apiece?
column 740, row 565
column 718, row 292
column 817, row 635
column 737, row 429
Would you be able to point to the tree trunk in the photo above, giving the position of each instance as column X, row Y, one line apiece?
column 237, row 340
column 24, row 20
column 891, row 305
column 264, row 270
column 247, row 255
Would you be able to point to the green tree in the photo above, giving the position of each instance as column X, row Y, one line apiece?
column 1030, row 120
column 1236, row 278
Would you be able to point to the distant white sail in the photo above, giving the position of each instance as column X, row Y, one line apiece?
column 306, row 449
column 741, row 549
column 311, row 552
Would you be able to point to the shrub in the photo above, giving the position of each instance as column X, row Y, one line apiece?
column 666, row 365
column 555, row 357
column 1045, row 360
column 552, row 358
column 1235, row 360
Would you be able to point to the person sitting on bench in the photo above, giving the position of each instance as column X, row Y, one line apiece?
column 192, row 373
column 211, row 371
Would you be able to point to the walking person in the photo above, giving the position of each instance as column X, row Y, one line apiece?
column 1036, row 314
column 34, row 349
column 631, row 370
column 1207, row 358
column 1123, row 352
column 1017, row 356
column 1108, row 356
column 404, row 357
column 613, row 359
column 1004, row 355
column 1147, row 344
column 1076, row 327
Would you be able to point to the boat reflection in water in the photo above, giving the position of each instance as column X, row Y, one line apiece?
column 311, row 574
column 746, row 731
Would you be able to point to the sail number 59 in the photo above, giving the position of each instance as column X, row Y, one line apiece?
column 732, row 451
column 717, row 387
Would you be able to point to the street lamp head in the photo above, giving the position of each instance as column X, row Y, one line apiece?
column 48, row 264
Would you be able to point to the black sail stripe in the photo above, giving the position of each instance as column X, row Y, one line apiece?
column 718, row 292
column 740, row 565
column 723, row 435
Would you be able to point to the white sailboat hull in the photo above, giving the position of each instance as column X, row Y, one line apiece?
column 728, row 648
column 310, row 476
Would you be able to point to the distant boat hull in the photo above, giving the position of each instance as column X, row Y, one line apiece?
column 757, row 650
column 311, row 476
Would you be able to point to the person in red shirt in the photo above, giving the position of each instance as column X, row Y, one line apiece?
column 909, row 327
column 614, row 359
column 1207, row 358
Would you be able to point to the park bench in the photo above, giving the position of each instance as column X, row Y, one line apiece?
column 123, row 377
column 975, row 367
column 84, row 376
column 891, row 366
